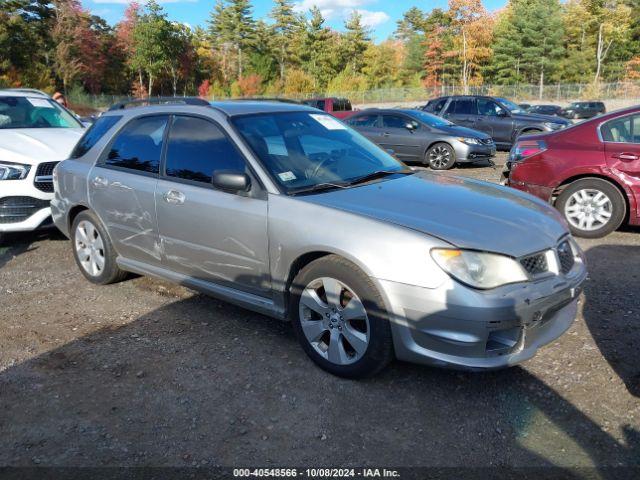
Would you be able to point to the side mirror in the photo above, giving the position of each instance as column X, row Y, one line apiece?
column 503, row 113
column 231, row 181
column 410, row 126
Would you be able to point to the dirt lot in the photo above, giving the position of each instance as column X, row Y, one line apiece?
column 145, row 373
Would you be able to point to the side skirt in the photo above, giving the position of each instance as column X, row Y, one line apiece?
column 259, row 304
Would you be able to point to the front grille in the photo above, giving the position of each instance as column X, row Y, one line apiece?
column 18, row 209
column 535, row 264
column 44, row 176
column 566, row 257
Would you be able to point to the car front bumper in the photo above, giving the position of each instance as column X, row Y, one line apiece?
column 23, row 207
column 473, row 153
column 459, row 327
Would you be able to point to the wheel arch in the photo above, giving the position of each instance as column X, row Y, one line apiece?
column 568, row 181
column 73, row 213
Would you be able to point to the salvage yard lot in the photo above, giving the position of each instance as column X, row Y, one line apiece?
column 146, row 373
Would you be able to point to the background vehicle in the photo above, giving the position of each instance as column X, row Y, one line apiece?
column 267, row 205
column 555, row 110
column 524, row 106
column 417, row 136
column 338, row 107
column 590, row 172
column 578, row 110
column 35, row 134
column 503, row 120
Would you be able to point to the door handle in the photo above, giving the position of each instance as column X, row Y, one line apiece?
column 174, row 197
column 630, row 157
column 99, row 182
column 386, row 134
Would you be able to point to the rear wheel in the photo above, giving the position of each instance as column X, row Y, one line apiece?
column 93, row 250
column 441, row 156
column 340, row 319
column 592, row 207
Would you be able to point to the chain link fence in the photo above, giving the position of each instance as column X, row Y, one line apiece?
column 622, row 93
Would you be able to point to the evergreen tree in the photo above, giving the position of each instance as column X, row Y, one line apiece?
column 317, row 50
column 355, row 42
column 286, row 25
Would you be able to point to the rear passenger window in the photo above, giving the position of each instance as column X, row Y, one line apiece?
column 138, row 146
column 622, row 130
column 94, row 134
column 463, row 106
column 363, row 121
column 197, row 148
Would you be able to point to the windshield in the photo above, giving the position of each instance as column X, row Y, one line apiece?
column 34, row 112
column 302, row 149
column 509, row 105
column 429, row 119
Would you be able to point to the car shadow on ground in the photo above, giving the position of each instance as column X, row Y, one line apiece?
column 15, row 244
column 199, row 382
column 615, row 329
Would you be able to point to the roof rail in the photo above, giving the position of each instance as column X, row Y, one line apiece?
column 268, row 99
column 159, row 101
column 25, row 90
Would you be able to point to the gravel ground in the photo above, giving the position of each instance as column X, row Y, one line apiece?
column 145, row 373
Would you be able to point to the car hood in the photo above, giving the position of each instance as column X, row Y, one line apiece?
column 538, row 117
column 464, row 212
column 458, row 131
column 34, row 145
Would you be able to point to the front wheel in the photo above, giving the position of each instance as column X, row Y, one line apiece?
column 340, row 319
column 592, row 207
column 441, row 156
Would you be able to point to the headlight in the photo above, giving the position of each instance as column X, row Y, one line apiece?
column 13, row 171
column 470, row 141
column 479, row 269
column 553, row 125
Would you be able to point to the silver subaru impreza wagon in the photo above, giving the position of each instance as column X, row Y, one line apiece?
column 285, row 210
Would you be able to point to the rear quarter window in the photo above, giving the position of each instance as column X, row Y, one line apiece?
column 93, row 135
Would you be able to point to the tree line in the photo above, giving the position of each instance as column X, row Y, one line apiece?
column 61, row 46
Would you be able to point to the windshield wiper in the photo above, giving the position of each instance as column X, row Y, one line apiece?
column 379, row 174
column 318, row 187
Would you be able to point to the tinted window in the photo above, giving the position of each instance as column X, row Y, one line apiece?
column 197, row 148
column 622, row 130
column 394, row 121
column 139, row 145
column 338, row 105
column 489, row 107
column 436, row 105
column 363, row 121
column 463, row 106
column 94, row 134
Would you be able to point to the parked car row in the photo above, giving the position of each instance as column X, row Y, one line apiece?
column 574, row 111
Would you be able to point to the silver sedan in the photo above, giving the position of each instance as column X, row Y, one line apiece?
column 287, row 211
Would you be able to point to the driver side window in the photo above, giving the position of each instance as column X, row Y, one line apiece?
column 489, row 107
column 394, row 121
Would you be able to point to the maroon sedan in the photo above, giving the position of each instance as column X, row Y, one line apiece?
column 589, row 171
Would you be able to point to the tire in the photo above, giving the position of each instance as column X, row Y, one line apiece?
column 592, row 207
column 440, row 156
column 93, row 250
column 347, row 334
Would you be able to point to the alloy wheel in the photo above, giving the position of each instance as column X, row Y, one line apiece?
column 334, row 321
column 439, row 157
column 588, row 209
column 90, row 248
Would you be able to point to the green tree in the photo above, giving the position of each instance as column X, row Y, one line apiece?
column 318, row 47
column 286, row 26
column 355, row 41
column 152, row 35
column 528, row 42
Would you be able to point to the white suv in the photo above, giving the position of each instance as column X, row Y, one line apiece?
column 35, row 134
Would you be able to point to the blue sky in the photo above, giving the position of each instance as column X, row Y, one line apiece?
column 380, row 15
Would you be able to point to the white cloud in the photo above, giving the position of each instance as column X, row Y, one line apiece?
column 373, row 19
column 334, row 9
